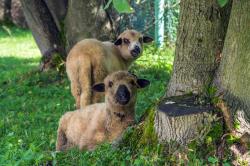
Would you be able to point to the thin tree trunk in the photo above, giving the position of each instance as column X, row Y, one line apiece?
column 200, row 37
column 17, row 16
column 5, row 8
column 44, row 30
column 233, row 78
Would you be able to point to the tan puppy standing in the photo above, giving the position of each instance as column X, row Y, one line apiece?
column 90, row 61
column 102, row 121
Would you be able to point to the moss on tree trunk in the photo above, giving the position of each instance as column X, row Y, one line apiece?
column 233, row 78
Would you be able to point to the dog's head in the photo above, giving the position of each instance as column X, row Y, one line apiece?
column 121, row 88
column 130, row 44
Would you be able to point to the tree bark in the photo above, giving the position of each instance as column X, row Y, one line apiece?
column 233, row 78
column 5, row 8
column 58, row 10
column 180, row 119
column 17, row 16
column 200, row 37
column 44, row 30
column 182, row 129
column 86, row 19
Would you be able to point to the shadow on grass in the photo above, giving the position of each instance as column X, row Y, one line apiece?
column 30, row 106
column 15, row 76
column 7, row 30
column 12, row 67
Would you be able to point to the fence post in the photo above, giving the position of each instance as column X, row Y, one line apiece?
column 159, row 22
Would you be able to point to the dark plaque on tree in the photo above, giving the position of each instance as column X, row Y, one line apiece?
column 183, row 105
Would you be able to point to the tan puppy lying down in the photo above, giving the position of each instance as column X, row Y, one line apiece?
column 90, row 61
column 102, row 121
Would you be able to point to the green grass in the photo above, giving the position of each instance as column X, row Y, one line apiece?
column 31, row 104
column 18, row 52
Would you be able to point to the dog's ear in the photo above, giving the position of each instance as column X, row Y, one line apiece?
column 142, row 83
column 147, row 39
column 118, row 42
column 100, row 87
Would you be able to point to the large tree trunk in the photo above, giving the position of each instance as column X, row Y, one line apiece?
column 87, row 19
column 200, row 38
column 201, row 32
column 233, row 78
column 44, row 30
column 58, row 10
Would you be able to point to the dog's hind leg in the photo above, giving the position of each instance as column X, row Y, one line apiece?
column 61, row 140
column 85, row 80
column 76, row 91
column 99, row 74
column 73, row 74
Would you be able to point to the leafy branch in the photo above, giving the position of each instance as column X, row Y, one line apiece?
column 122, row 6
column 222, row 3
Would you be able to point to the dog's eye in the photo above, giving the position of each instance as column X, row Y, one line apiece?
column 140, row 39
column 126, row 41
column 132, row 82
column 110, row 84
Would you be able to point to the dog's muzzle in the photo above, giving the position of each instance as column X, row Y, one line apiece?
column 122, row 95
column 136, row 51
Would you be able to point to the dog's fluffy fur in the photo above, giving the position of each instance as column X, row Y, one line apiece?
column 102, row 121
column 90, row 61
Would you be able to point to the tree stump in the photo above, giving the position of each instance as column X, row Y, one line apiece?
column 180, row 119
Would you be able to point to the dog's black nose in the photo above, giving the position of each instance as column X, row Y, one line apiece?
column 122, row 95
column 136, row 51
column 137, row 48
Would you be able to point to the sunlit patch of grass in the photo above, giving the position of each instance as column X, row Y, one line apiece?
column 18, row 52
